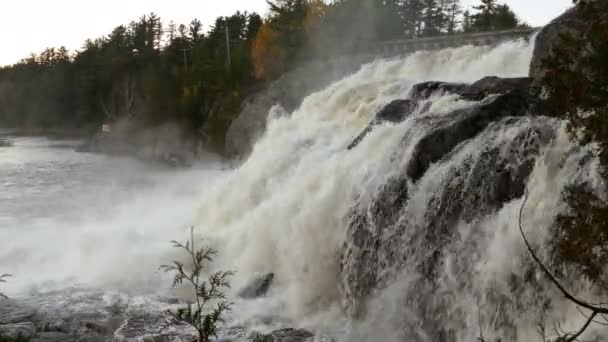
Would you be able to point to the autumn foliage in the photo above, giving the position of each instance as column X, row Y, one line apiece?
column 268, row 58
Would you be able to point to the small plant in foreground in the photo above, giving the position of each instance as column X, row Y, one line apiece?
column 206, row 291
column 3, row 280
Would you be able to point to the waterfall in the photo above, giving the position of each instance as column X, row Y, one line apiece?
column 449, row 263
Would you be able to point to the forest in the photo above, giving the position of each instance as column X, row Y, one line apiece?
column 154, row 72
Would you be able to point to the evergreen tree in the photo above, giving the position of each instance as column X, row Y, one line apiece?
column 194, row 31
column 453, row 12
column 492, row 16
column 412, row 13
column 483, row 20
column 431, row 18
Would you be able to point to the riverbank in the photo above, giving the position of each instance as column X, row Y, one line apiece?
column 49, row 132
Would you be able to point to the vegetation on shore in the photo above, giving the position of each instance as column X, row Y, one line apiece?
column 155, row 72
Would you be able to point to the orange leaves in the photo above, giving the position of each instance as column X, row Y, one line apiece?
column 315, row 11
column 268, row 57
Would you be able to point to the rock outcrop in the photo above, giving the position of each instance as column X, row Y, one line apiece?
column 394, row 112
column 164, row 144
column 568, row 23
column 258, row 287
column 488, row 168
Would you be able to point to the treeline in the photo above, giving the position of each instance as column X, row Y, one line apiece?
column 153, row 72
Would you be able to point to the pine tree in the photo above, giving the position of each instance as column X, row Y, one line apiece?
column 194, row 31
column 411, row 12
column 453, row 12
column 482, row 21
column 431, row 18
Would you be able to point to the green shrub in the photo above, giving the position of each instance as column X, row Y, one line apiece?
column 207, row 292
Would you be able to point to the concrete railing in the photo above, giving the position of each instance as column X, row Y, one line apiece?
column 402, row 47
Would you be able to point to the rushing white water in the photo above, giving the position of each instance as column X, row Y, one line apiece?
column 287, row 207
column 73, row 219
column 285, row 210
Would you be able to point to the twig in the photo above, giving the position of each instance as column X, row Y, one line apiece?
column 548, row 273
column 595, row 310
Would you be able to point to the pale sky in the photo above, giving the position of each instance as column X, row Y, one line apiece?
column 32, row 25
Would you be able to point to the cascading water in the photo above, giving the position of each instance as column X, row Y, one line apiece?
column 289, row 210
column 363, row 246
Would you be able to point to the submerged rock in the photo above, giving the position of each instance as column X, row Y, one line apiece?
column 285, row 335
column 394, row 112
column 258, row 287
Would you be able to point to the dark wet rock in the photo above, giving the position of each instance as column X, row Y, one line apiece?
column 101, row 328
column 363, row 238
column 476, row 91
column 382, row 240
column 389, row 233
column 518, row 93
column 14, row 312
column 423, row 91
column 394, row 112
column 258, row 286
column 570, row 22
column 95, row 338
column 58, row 325
column 464, row 124
column 53, row 336
column 494, row 85
column 285, row 335
column 14, row 330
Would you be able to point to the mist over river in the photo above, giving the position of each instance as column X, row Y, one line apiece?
column 79, row 219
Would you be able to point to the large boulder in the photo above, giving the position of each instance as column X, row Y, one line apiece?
column 257, row 287
column 394, row 112
column 489, row 147
column 513, row 95
column 570, row 23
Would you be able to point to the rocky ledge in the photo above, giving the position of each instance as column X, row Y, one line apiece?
column 84, row 315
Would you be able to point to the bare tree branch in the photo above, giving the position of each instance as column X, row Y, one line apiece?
column 595, row 310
